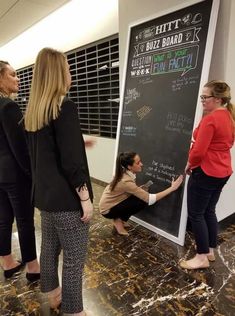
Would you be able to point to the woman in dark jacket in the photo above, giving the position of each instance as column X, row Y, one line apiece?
column 15, row 182
column 61, row 183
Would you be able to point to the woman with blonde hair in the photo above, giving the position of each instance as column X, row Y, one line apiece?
column 61, row 184
column 15, row 182
column 209, row 167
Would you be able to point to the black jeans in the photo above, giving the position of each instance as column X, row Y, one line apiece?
column 15, row 203
column 126, row 208
column 202, row 196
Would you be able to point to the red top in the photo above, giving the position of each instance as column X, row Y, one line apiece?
column 213, row 139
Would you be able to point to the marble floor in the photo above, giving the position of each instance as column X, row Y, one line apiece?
column 136, row 275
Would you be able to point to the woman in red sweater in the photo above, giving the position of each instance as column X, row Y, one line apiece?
column 209, row 166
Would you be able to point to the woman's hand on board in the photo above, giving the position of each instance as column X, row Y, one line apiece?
column 176, row 183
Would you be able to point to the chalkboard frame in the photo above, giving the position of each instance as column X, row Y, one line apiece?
column 180, row 239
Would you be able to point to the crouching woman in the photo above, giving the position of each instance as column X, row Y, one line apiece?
column 122, row 198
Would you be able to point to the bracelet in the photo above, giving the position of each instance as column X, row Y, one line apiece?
column 85, row 200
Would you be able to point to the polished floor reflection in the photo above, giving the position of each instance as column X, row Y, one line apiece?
column 136, row 275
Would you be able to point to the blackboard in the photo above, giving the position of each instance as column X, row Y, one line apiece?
column 167, row 58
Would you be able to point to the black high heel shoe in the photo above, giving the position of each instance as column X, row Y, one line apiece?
column 32, row 277
column 10, row 272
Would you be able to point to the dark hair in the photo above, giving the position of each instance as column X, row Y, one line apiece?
column 122, row 162
column 220, row 89
column 3, row 66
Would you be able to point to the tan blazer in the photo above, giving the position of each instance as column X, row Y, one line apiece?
column 124, row 189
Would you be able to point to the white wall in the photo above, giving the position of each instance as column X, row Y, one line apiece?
column 222, row 64
column 101, row 158
column 75, row 24
column 223, row 67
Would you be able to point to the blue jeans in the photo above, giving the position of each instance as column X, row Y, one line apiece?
column 15, row 203
column 202, row 196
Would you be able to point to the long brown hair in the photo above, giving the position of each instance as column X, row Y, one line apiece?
column 123, row 160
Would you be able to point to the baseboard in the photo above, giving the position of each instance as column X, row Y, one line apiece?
column 222, row 225
column 226, row 222
column 99, row 182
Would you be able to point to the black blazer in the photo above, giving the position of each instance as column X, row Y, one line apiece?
column 58, row 161
column 14, row 155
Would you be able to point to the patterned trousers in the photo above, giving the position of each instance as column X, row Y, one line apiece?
column 64, row 231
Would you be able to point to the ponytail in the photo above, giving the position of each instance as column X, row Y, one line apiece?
column 230, row 108
column 122, row 162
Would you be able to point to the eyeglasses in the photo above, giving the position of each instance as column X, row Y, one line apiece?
column 205, row 97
